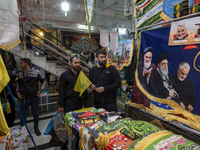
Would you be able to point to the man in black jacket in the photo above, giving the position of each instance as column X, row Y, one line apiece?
column 28, row 91
column 69, row 99
column 184, row 87
column 106, row 80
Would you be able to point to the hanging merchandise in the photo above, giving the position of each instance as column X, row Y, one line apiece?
column 84, row 45
column 176, row 8
column 113, row 40
column 185, row 32
column 9, row 28
column 151, row 17
column 122, row 55
column 141, row 11
column 104, row 40
column 90, row 8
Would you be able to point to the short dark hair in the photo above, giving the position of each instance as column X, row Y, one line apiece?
column 71, row 59
column 27, row 60
column 100, row 51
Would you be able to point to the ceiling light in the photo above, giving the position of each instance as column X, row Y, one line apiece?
column 82, row 26
column 65, row 6
column 41, row 33
column 122, row 31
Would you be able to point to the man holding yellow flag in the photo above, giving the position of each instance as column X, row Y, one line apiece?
column 72, row 85
column 70, row 96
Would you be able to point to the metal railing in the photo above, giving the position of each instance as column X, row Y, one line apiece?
column 60, row 53
column 65, row 45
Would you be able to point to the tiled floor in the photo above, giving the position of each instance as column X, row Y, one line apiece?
column 42, row 139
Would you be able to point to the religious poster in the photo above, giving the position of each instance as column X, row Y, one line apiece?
column 122, row 56
column 185, row 32
column 167, row 78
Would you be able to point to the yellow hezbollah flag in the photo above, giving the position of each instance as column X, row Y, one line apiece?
column 82, row 83
column 3, row 124
column 4, row 78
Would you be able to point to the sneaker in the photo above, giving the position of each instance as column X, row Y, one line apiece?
column 37, row 132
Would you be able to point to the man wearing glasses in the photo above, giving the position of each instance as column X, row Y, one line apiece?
column 184, row 87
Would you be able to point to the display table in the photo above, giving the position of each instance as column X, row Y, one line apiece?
column 97, row 131
column 121, row 102
column 175, row 127
column 4, row 142
column 19, row 137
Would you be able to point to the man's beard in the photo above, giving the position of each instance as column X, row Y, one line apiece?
column 198, row 32
column 164, row 71
column 76, row 68
column 147, row 64
column 182, row 36
column 102, row 63
column 181, row 79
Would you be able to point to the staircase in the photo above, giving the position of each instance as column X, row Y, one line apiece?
column 38, row 54
column 39, row 60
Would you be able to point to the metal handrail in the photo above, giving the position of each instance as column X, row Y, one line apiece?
column 74, row 51
column 58, row 53
column 61, row 49
column 48, row 53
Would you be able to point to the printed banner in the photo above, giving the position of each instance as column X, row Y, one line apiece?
column 147, row 8
column 185, row 32
column 90, row 8
column 151, row 17
column 122, row 56
column 9, row 20
column 167, row 78
column 168, row 6
column 143, row 4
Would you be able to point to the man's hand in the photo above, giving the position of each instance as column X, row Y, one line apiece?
column 169, row 97
column 190, row 108
column 92, row 87
column 182, row 105
column 19, row 95
column 146, row 72
column 61, row 109
column 100, row 89
column 38, row 93
column 171, row 93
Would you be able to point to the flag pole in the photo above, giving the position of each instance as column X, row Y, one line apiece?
column 21, row 116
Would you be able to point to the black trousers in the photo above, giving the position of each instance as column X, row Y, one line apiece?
column 109, row 106
column 32, row 101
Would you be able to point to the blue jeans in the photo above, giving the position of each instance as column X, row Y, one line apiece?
column 32, row 101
